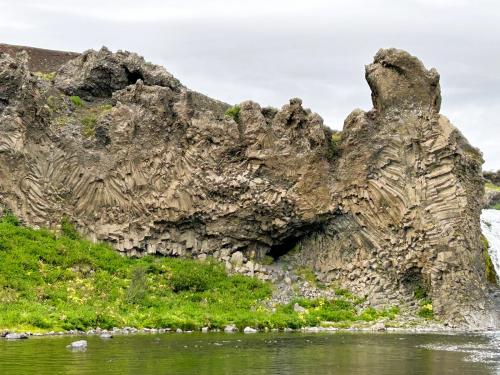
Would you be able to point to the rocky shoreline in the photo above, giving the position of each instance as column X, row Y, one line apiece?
column 108, row 334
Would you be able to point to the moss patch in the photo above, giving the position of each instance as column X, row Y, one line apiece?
column 490, row 272
column 48, row 77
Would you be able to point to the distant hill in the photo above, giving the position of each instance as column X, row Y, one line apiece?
column 41, row 60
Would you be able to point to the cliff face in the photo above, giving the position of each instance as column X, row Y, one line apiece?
column 151, row 167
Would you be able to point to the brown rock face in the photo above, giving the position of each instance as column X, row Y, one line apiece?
column 41, row 60
column 410, row 190
column 152, row 167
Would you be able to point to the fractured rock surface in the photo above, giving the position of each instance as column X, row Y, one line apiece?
column 152, row 167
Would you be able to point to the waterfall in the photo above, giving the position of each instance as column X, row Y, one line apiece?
column 490, row 225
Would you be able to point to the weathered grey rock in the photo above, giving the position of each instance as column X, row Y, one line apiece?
column 492, row 177
column 230, row 328
column 80, row 344
column 249, row 330
column 205, row 329
column 237, row 259
column 16, row 336
column 390, row 205
column 378, row 327
column 106, row 336
column 410, row 190
column 299, row 309
column 100, row 73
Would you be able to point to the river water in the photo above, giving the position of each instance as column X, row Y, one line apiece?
column 270, row 353
column 490, row 226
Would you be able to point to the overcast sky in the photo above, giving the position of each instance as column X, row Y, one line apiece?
column 270, row 50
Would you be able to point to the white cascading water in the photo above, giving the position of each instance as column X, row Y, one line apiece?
column 490, row 225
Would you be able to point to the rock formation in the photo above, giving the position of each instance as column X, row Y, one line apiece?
column 390, row 206
column 492, row 177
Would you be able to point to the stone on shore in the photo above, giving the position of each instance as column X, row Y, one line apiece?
column 230, row 328
column 250, row 330
column 16, row 336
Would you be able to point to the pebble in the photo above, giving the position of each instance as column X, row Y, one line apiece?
column 106, row 336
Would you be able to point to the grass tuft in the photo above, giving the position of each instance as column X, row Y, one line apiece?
column 76, row 100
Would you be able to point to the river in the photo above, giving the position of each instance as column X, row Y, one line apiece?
column 271, row 353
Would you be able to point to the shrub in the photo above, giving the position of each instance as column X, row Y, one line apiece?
column 89, row 122
column 426, row 311
column 234, row 113
column 420, row 291
column 76, row 100
column 336, row 139
column 68, row 229
column 138, row 288
column 9, row 218
column 187, row 281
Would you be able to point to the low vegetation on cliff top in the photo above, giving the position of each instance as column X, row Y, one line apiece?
column 62, row 282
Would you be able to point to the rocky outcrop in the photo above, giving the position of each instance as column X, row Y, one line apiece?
column 409, row 187
column 492, row 190
column 388, row 207
column 492, row 177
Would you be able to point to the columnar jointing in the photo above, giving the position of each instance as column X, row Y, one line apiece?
column 134, row 158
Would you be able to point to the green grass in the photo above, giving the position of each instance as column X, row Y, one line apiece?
column 54, row 281
column 76, row 100
column 490, row 186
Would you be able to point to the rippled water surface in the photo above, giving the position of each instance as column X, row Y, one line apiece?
column 291, row 353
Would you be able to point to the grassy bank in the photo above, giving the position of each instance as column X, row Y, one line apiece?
column 61, row 282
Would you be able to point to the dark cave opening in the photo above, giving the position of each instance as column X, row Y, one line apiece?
column 291, row 242
column 133, row 76
column 412, row 280
column 284, row 247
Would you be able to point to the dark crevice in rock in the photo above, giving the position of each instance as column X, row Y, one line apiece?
column 293, row 241
column 133, row 76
